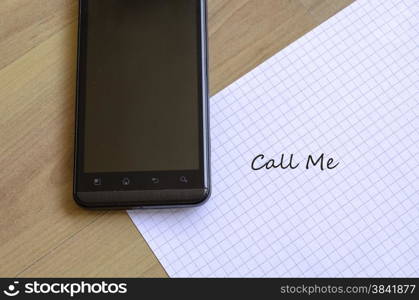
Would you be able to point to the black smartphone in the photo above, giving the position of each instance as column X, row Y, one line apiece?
column 142, row 123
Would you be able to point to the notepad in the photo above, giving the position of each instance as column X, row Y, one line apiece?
column 348, row 90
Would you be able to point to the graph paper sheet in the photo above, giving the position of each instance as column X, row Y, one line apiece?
column 348, row 89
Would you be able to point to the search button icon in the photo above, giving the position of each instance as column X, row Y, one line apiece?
column 183, row 179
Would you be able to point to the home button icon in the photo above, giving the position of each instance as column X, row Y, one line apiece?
column 126, row 181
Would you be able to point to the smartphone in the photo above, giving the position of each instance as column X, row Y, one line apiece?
column 142, row 126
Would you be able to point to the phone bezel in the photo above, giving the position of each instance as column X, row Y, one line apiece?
column 142, row 181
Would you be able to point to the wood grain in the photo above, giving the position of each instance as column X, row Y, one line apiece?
column 42, row 231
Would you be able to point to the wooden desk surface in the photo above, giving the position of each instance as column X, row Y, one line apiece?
column 42, row 231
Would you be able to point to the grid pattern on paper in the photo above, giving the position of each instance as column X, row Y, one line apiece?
column 348, row 89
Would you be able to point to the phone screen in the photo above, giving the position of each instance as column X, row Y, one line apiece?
column 141, row 86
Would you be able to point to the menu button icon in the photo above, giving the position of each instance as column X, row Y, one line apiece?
column 97, row 181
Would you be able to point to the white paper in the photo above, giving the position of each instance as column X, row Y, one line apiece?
column 348, row 89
